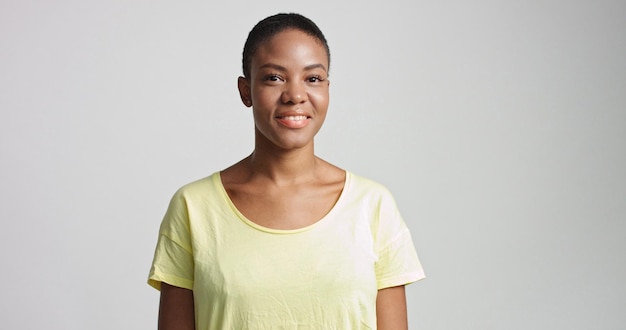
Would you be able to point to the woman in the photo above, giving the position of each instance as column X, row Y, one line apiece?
column 283, row 239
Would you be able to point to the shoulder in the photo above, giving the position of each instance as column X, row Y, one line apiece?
column 372, row 200
column 374, row 197
column 190, row 199
column 363, row 186
column 197, row 194
column 204, row 187
column 386, row 221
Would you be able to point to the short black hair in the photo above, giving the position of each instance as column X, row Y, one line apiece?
column 272, row 25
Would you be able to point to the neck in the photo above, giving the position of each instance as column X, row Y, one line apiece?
column 283, row 166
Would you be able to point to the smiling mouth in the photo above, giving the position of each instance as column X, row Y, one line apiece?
column 294, row 121
column 293, row 118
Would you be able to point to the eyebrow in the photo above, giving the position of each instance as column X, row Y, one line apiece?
column 282, row 68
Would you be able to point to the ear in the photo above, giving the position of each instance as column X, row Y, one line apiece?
column 244, row 91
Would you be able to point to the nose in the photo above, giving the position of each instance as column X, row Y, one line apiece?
column 294, row 93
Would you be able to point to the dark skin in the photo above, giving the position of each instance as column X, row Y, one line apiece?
column 282, row 184
column 176, row 308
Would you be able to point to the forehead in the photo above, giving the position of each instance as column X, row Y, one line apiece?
column 291, row 46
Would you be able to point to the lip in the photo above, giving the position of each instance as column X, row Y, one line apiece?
column 293, row 119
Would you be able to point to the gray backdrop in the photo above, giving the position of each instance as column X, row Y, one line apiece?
column 500, row 126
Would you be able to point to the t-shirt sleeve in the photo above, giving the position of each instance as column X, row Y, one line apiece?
column 397, row 263
column 173, row 256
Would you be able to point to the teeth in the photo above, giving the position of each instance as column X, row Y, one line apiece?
column 294, row 118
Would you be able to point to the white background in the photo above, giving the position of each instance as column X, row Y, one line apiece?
column 500, row 126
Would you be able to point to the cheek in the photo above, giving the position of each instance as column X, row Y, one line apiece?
column 320, row 99
column 263, row 95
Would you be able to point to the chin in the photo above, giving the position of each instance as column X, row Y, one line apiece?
column 289, row 141
column 293, row 144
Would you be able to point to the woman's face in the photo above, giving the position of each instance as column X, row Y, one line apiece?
column 287, row 89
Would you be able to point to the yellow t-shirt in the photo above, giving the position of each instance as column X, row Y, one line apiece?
column 323, row 276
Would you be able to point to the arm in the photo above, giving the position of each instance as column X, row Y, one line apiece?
column 391, row 309
column 176, row 309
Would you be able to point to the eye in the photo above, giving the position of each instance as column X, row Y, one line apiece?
column 272, row 78
column 315, row 78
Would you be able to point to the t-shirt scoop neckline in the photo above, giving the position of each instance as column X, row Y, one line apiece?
column 217, row 180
